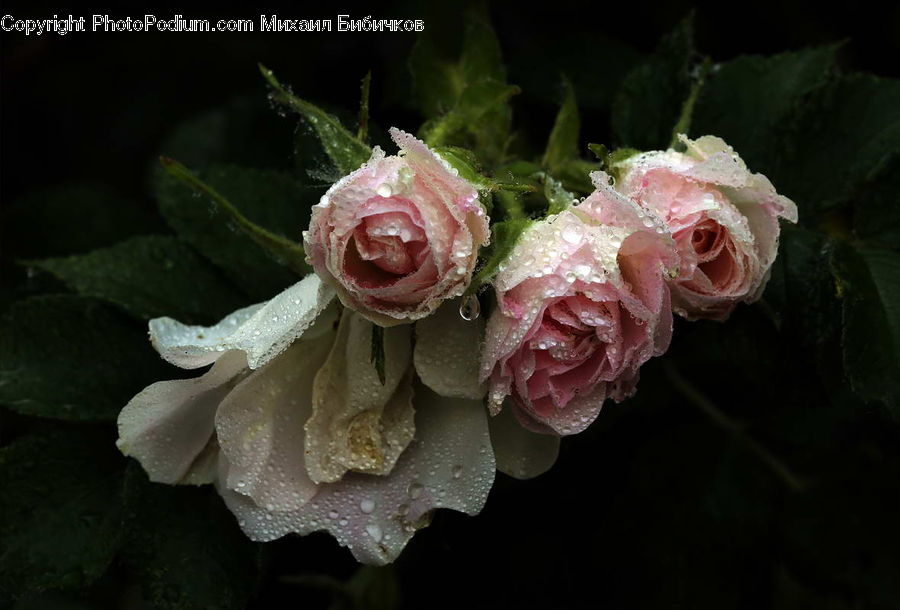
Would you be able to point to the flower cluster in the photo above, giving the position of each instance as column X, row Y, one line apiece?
column 363, row 398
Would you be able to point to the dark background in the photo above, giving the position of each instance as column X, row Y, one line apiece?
column 655, row 506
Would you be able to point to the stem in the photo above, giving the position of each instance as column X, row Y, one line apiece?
column 687, row 110
column 363, row 133
column 720, row 418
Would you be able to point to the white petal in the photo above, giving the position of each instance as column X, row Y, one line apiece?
column 260, row 424
column 262, row 331
column 520, row 453
column 449, row 465
column 357, row 422
column 447, row 351
column 168, row 427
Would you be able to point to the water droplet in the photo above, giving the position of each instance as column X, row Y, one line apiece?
column 414, row 490
column 470, row 308
column 374, row 530
column 572, row 235
column 384, row 190
column 367, row 506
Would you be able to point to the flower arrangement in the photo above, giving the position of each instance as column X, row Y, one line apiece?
column 363, row 398
column 450, row 304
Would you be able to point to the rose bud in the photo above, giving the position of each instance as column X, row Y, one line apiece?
column 399, row 235
column 724, row 220
column 581, row 304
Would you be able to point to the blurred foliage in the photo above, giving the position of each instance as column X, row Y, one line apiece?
column 757, row 466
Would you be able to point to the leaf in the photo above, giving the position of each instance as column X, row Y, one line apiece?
column 563, row 143
column 877, row 213
column 504, row 237
column 846, row 135
column 478, row 120
column 70, row 219
column 186, row 548
column 345, row 150
column 269, row 210
column 650, row 99
column 558, row 198
column 69, row 357
column 868, row 281
column 243, row 130
column 438, row 82
column 800, row 296
column 466, row 101
column 746, row 101
column 149, row 277
column 61, row 509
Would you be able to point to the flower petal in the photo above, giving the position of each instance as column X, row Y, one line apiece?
column 449, row 465
column 168, row 427
column 357, row 422
column 260, row 424
column 444, row 355
column 520, row 453
column 262, row 331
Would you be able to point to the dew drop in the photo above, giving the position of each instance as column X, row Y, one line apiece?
column 367, row 506
column 374, row 530
column 384, row 190
column 470, row 308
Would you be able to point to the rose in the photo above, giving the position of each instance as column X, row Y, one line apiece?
column 724, row 220
column 399, row 235
column 581, row 305
column 297, row 432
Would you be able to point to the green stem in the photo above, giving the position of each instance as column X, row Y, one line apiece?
column 687, row 110
column 720, row 418
column 363, row 133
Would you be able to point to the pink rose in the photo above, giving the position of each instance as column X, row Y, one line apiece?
column 399, row 235
column 581, row 305
column 724, row 220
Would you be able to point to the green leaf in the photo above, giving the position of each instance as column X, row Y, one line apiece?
column 150, row 277
column 558, row 198
column 69, row 357
column 377, row 353
column 563, row 143
column 345, row 150
column 479, row 120
column 466, row 101
column 71, row 219
column 465, row 163
column 650, row 99
column 868, row 281
column 504, row 237
column 877, row 213
column 481, row 57
column 746, row 101
column 61, row 509
column 186, row 548
column 439, row 82
column 250, row 232
column 801, row 298
column 243, row 130
column 846, row 135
